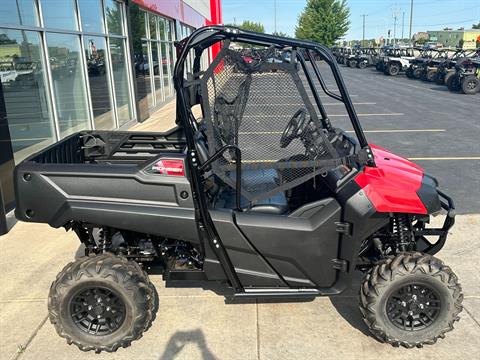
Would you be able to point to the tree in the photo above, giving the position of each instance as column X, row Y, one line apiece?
column 280, row 33
column 323, row 21
column 476, row 26
column 420, row 41
column 250, row 26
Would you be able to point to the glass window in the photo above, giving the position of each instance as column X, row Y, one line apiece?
column 113, row 11
column 100, row 93
column 161, row 25
column 22, row 73
column 18, row 12
column 166, row 78
column 91, row 15
column 153, row 26
column 59, row 14
column 146, row 73
column 120, row 79
column 170, row 31
column 157, row 72
column 68, row 82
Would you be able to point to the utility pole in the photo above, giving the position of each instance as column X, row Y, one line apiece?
column 411, row 17
column 275, row 15
column 403, row 24
column 394, row 27
column 363, row 36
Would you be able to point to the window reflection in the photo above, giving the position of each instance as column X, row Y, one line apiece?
column 156, row 72
column 120, row 79
column 59, row 14
column 18, row 12
column 22, row 73
column 100, row 92
column 113, row 11
column 91, row 15
column 68, row 84
column 165, row 62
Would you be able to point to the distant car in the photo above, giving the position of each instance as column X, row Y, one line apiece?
column 8, row 76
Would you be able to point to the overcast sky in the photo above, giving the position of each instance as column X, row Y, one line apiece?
column 427, row 15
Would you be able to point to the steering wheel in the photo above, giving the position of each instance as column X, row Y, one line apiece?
column 292, row 130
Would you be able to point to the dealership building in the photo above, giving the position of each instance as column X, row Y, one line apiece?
column 70, row 65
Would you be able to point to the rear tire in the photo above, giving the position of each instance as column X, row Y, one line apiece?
column 393, row 69
column 410, row 300
column 470, row 85
column 379, row 67
column 453, row 83
column 362, row 65
column 417, row 73
column 431, row 75
column 353, row 63
column 102, row 303
column 447, row 76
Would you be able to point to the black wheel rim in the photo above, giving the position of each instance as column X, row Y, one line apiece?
column 471, row 85
column 413, row 307
column 97, row 311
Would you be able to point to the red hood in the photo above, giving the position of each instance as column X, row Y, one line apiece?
column 392, row 186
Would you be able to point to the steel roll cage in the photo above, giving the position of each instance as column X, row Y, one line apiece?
column 205, row 37
column 200, row 40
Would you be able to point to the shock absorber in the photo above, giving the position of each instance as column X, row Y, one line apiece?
column 401, row 229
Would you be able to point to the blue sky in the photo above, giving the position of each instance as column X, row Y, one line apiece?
column 427, row 15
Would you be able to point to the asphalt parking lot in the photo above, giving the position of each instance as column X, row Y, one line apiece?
column 425, row 122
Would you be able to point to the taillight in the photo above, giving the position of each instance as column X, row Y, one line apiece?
column 173, row 167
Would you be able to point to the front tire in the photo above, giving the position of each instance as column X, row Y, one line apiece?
column 393, row 69
column 362, row 65
column 410, row 300
column 102, row 303
column 417, row 73
column 470, row 85
column 431, row 75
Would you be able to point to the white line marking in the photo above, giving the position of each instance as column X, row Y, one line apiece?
column 386, row 114
column 349, row 131
column 445, row 158
column 402, row 131
column 341, row 103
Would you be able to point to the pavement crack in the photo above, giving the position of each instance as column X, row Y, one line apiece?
column 471, row 315
column 30, row 339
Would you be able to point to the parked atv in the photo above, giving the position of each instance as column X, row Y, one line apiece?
column 430, row 66
column 467, row 76
column 399, row 61
column 415, row 68
column 446, row 69
column 367, row 57
column 263, row 194
column 351, row 59
column 343, row 54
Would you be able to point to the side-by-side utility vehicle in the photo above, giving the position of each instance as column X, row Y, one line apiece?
column 263, row 193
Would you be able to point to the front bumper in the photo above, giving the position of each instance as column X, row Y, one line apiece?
column 421, row 231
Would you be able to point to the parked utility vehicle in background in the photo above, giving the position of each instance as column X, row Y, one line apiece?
column 467, row 76
column 367, row 57
column 415, row 69
column 446, row 69
column 391, row 53
column 399, row 61
column 430, row 66
column 263, row 194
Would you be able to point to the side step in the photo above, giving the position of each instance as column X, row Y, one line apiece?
column 271, row 293
column 193, row 275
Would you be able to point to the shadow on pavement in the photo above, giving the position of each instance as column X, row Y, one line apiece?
column 181, row 338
